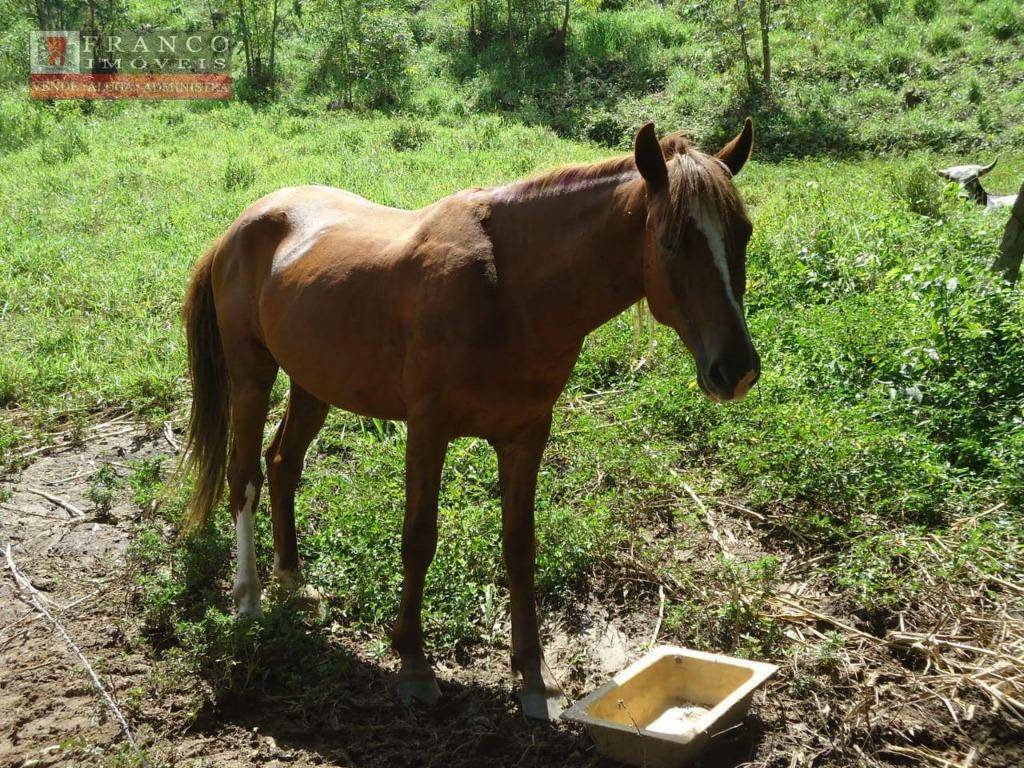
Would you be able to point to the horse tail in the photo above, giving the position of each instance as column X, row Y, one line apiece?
column 206, row 446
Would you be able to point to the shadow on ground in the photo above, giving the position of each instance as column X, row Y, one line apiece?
column 327, row 702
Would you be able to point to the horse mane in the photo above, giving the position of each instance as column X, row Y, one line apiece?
column 692, row 176
column 569, row 177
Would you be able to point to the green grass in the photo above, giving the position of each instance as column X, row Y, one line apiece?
column 98, row 243
column 890, row 404
column 848, row 78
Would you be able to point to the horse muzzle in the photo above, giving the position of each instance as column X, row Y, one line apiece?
column 725, row 380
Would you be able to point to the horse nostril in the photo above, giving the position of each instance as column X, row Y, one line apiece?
column 717, row 377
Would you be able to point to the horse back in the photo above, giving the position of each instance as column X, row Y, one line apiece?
column 369, row 308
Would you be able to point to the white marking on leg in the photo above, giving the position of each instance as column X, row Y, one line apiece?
column 247, row 589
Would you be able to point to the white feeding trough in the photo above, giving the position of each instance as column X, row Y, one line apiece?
column 662, row 711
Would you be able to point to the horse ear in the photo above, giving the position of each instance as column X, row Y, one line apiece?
column 736, row 153
column 650, row 160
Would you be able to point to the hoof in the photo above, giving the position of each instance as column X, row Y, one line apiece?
column 540, row 705
column 309, row 600
column 421, row 689
column 305, row 597
column 249, row 607
column 248, row 600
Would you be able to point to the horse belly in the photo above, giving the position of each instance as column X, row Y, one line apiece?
column 338, row 342
column 356, row 380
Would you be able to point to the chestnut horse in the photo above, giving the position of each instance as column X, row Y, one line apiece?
column 464, row 318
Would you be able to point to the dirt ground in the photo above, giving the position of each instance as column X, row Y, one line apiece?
column 51, row 713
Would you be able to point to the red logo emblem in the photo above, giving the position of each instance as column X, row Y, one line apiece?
column 57, row 49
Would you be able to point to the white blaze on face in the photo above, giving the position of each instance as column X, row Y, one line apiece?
column 247, row 587
column 710, row 225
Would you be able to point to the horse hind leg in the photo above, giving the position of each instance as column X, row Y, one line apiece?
column 285, row 461
column 250, row 398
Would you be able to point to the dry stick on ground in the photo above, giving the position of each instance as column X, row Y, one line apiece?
column 32, row 615
column 927, row 756
column 170, row 438
column 77, row 476
column 68, row 444
column 33, row 595
column 661, row 614
column 1008, row 673
column 709, row 518
column 33, row 514
column 62, row 503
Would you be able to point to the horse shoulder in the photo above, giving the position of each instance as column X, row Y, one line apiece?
column 450, row 238
column 457, row 294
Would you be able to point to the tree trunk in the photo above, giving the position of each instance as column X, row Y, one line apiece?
column 766, row 47
column 273, row 51
column 243, row 27
column 1011, row 250
column 346, row 57
column 741, row 25
column 511, row 33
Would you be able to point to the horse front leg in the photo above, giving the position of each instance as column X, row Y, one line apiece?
column 424, row 460
column 518, row 464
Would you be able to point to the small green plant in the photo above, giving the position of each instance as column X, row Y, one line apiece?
column 145, row 480
column 880, row 571
column 975, row 93
column 879, row 9
column 66, row 142
column 919, row 189
column 944, row 37
column 408, row 135
column 102, row 489
column 827, row 653
column 926, row 9
column 239, row 173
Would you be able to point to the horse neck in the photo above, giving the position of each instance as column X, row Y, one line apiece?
column 569, row 258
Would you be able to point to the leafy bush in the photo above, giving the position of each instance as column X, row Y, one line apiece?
column 362, row 53
column 384, row 52
column 21, row 122
column 14, row 48
column 408, row 135
column 919, row 188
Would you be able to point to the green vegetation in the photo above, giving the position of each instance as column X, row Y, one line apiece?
column 890, row 408
column 891, row 397
column 880, row 75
